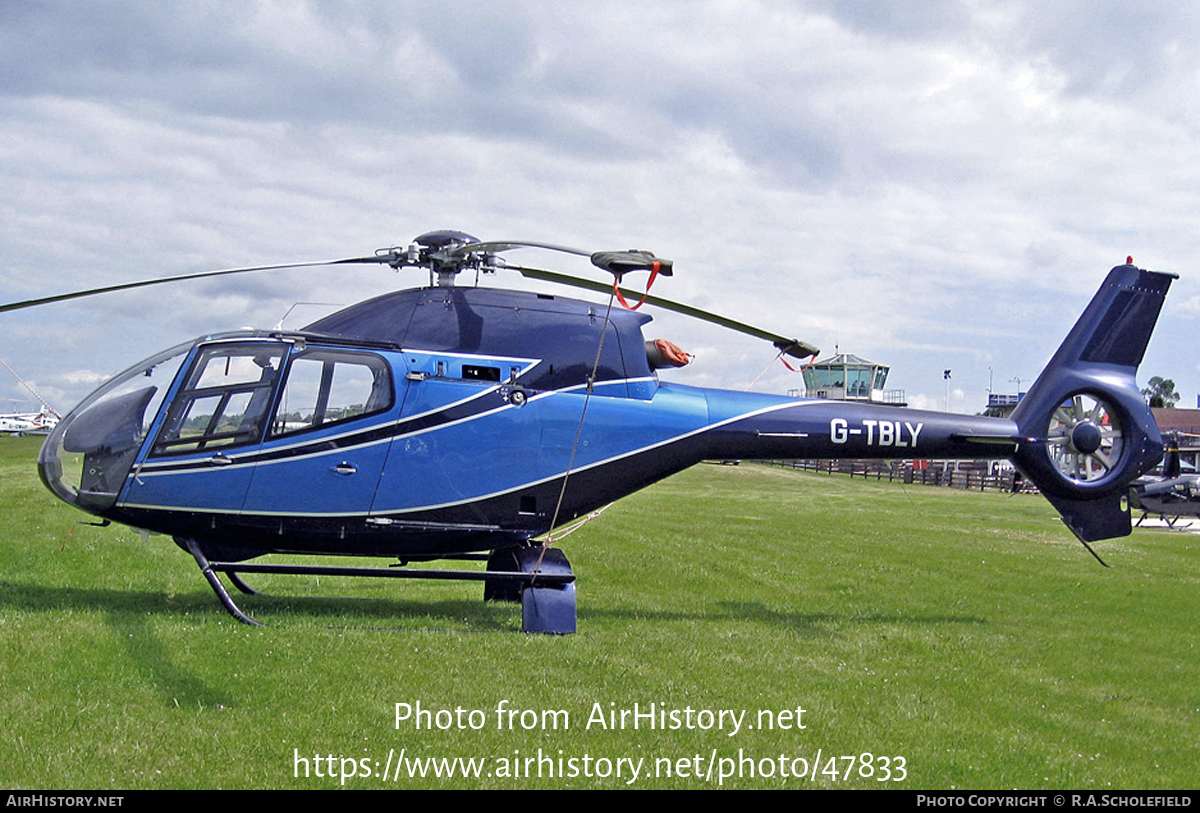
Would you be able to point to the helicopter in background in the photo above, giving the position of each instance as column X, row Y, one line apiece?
column 25, row 423
column 1171, row 496
column 452, row 422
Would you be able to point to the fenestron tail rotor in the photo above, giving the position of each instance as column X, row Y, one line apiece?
column 447, row 253
column 1084, row 438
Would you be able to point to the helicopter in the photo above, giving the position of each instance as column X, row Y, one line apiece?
column 1171, row 496
column 473, row 422
column 23, row 423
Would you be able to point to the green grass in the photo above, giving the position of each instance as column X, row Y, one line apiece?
column 968, row 633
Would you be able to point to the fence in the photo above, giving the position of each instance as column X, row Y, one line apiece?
column 978, row 475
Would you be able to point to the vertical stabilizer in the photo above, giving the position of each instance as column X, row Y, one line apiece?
column 1088, row 432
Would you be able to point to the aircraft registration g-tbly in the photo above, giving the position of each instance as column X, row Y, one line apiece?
column 469, row 422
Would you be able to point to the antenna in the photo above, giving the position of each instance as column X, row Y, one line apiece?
column 25, row 384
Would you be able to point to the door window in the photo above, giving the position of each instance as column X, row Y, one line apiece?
column 326, row 387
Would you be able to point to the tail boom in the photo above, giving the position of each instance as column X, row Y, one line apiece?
column 1081, row 434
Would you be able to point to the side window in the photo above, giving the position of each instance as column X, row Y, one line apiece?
column 325, row 387
column 224, row 400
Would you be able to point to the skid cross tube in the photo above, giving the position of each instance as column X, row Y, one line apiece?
column 543, row 579
column 541, row 586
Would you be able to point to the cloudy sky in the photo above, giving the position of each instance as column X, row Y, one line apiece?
column 933, row 185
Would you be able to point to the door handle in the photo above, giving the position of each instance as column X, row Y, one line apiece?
column 345, row 469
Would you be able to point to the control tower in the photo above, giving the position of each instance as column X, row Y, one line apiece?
column 847, row 377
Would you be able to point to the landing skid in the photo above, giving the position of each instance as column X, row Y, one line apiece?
column 540, row 579
column 237, row 582
column 1171, row 520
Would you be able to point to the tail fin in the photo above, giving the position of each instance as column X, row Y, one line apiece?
column 1172, row 466
column 1088, row 431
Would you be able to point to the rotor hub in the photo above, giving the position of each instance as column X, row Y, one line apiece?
column 1086, row 437
column 436, row 251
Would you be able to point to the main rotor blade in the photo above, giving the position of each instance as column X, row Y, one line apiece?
column 792, row 347
column 615, row 262
column 508, row 245
column 30, row 303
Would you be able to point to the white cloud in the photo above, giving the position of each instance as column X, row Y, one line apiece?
column 929, row 185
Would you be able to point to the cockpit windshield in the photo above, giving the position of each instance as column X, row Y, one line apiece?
column 87, row 457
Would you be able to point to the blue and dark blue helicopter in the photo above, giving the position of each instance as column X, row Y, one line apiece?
column 458, row 422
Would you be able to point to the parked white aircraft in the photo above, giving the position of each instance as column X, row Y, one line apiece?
column 20, row 423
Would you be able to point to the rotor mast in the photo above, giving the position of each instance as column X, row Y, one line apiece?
column 442, row 253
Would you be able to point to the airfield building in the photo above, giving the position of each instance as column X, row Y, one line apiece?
column 1185, row 424
column 847, row 377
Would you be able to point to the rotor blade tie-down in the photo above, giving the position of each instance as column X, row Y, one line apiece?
column 654, row 268
column 782, row 351
column 811, row 360
column 562, row 493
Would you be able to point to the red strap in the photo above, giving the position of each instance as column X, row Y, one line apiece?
column 617, row 288
column 811, row 360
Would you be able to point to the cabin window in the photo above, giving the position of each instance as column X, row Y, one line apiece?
column 325, row 387
column 224, row 400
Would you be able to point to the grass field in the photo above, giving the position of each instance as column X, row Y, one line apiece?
column 962, row 639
